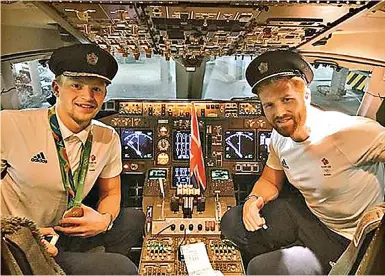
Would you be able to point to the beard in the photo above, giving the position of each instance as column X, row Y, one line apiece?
column 83, row 119
column 288, row 130
column 286, row 125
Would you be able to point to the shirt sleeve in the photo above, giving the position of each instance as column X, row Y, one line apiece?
column 273, row 160
column 114, row 164
column 363, row 142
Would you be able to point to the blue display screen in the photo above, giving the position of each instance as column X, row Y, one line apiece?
column 181, row 142
column 240, row 144
column 137, row 144
column 180, row 176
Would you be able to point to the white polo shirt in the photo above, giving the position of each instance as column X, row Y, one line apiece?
column 33, row 185
column 338, row 169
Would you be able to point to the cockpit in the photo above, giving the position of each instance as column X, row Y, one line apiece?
column 182, row 62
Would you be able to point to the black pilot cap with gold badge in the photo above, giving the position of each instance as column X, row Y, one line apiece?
column 83, row 60
column 275, row 64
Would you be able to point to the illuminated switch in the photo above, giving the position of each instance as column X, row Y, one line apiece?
column 212, row 226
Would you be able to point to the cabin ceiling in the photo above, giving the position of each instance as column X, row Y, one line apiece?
column 24, row 14
column 358, row 38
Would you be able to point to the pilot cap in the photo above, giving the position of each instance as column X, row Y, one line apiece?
column 83, row 60
column 277, row 63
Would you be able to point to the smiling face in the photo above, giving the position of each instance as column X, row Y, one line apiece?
column 79, row 99
column 284, row 106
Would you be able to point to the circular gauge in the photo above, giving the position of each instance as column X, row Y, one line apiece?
column 134, row 166
column 163, row 159
column 163, row 131
column 163, row 144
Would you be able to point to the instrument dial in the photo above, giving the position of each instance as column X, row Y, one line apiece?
column 163, row 131
column 163, row 159
column 163, row 144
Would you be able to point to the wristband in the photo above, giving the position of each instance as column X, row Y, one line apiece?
column 251, row 196
column 256, row 197
column 111, row 223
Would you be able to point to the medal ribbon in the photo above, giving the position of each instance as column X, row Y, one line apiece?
column 73, row 185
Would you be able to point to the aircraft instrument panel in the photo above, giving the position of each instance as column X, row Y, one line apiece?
column 156, row 142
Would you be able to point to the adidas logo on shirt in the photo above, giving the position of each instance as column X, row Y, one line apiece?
column 284, row 164
column 39, row 158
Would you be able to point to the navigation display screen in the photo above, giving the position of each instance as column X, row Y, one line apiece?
column 181, row 141
column 240, row 144
column 137, row 144
column 220, row 175
column 264, row 140
column 157, row 174
column 180, row 176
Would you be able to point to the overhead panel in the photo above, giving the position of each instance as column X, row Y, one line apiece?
column 196, row 29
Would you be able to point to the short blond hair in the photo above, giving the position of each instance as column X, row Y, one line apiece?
column 59, row 79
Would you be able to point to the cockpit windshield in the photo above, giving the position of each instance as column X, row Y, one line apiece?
column 224, row 78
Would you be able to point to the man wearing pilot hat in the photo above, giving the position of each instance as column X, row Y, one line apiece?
column 51, row 158
column 334, row 160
